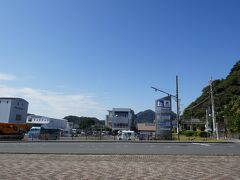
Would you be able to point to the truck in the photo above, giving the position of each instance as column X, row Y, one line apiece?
column 13, row 131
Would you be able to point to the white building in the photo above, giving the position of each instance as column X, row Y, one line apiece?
column 49, row 123
column 120, row 119
column 13, row 110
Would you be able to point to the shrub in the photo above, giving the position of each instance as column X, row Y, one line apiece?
column 196, row 133
column 203, row 134
column 182, row 132
column 189, row 133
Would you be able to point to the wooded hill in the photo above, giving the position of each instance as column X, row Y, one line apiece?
column 147, row 116
column 227, row 101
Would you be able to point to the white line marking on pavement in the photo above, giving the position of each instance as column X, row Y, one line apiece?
column 201, row 144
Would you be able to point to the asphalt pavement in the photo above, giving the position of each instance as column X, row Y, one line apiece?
column 120, row 148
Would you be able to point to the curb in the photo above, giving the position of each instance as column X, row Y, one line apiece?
column 133, row 142
column 112, row 154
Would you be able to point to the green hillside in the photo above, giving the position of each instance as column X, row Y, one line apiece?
column 147, row 116
column 227, row 101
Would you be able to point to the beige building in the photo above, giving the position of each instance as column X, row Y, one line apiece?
column 146, row 131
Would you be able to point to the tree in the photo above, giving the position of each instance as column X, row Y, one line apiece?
column 232, row 114
column 226, row 97
column 133, row 122
column 86, row 123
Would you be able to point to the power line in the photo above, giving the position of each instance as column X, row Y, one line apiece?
column 197, row 104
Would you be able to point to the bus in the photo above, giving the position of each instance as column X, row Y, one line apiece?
column 49, row 134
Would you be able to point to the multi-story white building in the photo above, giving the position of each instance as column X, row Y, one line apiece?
column 120, row 118
column 13, row 110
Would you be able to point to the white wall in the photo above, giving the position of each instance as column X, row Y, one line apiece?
column 5, row 106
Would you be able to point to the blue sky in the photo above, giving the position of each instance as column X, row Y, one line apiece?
column 85, row 57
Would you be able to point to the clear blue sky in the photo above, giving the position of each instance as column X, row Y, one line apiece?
column 97, row 55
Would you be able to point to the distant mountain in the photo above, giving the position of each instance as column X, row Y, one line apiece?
column 77, row 120
column 147, row 116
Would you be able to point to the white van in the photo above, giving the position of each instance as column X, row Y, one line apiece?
column 126, row 135
column 34, row 132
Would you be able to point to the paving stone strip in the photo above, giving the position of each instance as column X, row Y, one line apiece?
column 58, row 167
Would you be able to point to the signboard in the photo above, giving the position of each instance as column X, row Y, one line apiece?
column 163, row 110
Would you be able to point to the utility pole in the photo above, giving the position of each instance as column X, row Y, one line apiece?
column 178, row 115
column 215, row 129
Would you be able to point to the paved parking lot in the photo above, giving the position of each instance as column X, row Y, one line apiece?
column 56, row 167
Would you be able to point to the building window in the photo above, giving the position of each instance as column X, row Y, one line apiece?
column 18, row 103
column 121, row 114
column 121, row 125
column 18, row 117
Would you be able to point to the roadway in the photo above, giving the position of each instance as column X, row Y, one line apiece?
column 119, row 148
